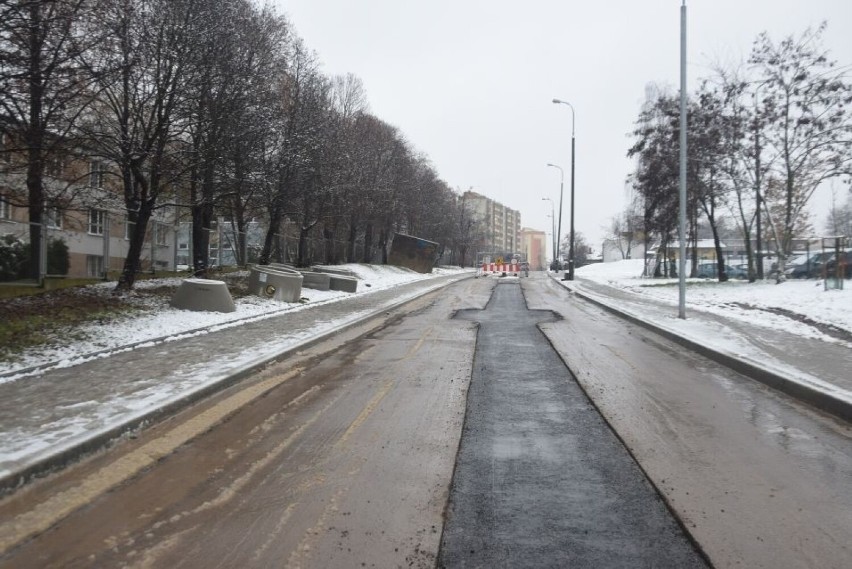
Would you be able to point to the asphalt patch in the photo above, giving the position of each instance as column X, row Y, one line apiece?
column 540, row 479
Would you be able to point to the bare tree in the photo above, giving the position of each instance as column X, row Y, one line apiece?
column 806, row 98
column 839, row 218
column 139, row 120
column 43, row 91
column 625, row 229
column 238, row 51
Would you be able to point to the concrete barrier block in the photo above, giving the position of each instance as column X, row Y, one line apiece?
column 343, row 283
column 203, row 295
column 334, row 271
column 316, row 281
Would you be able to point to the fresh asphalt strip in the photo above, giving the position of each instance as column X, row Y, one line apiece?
column 540, row 478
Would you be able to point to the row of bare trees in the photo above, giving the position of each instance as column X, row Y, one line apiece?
column 762, row 138
column 216, row 107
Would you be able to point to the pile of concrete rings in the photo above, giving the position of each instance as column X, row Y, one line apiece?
column 324, row 278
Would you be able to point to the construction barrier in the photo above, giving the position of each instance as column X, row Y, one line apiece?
column 510, row 269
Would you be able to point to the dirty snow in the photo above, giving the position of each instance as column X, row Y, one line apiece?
column 806, row 298
column 161, row 322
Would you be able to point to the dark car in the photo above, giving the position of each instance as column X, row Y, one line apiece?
column 737, row 271
column 808, row 268
column 711, row 271
column 845, row 265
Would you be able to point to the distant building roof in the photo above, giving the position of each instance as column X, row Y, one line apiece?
column 702, row 244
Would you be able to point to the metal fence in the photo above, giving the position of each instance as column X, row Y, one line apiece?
column 228, row 247
column 92, row 251
column 96, row 247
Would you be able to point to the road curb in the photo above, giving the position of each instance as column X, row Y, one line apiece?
column 72, row 453
column 822, row 400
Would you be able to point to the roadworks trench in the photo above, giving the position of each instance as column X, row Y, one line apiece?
column 540, row 478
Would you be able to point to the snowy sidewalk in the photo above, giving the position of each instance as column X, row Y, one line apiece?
column 809, row 365
column 50, row 418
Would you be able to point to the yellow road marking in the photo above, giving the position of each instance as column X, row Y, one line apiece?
column 419, row 343
column 368, row 410
column 49, row 512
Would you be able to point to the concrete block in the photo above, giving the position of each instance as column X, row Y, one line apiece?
column 203, row 295
column 316, row 281
column 344, row 283
column 279, row 283
column 334, row 271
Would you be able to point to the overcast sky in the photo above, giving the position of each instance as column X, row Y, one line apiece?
column 470, row 82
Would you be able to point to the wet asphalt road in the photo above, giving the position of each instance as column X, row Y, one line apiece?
column 541, row 480
column 344, row 456
column 759, row 479
column 341, row 456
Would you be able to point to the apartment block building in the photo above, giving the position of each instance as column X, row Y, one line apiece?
column 84, row 210
column 500, row 226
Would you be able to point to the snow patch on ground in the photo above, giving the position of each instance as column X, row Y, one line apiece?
column 758, row 303
column 160, row 321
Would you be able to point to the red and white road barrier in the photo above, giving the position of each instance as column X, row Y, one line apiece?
column 509, row 268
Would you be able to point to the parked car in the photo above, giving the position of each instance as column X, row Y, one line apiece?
column 804, row 267
column 711, row 271
column 737, row 271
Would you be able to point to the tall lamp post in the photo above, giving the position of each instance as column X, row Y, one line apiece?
column 570, row 276
column 559, row 228
column 553, row 223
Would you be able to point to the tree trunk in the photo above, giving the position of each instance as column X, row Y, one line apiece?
column 303, row 259
column 368, row 243
column 266, row 252
column 383, row 245
column 35, row 205
column 750, row 256
column 35, row 140
column 350, row 243
column 132, row 262
column 720, row 256
column 202, row 218
column 241, row 246
column 200, row 238
column 693, row 232
column 330, row 253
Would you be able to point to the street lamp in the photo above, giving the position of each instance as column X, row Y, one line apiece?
column 559, row 229
column 570, row 276
column 553, row 223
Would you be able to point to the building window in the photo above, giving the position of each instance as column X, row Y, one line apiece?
column 55, row 166
column 5, row 208
column 53, row 217
column 161, row 234
column 97, row 221
column 94, row 266
column 96, row 174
